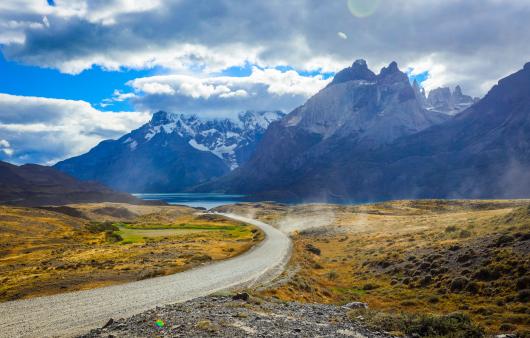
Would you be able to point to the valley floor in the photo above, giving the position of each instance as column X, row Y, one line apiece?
column 407, row 259
column 53, row 250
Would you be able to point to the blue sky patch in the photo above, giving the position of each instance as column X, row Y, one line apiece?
column 93, row 85
column 420, row 78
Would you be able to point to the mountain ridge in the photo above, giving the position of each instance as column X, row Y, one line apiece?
column 482, row 152
column 36, row 185
column 172, row 152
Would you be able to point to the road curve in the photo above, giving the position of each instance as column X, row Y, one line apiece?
column 75, row 313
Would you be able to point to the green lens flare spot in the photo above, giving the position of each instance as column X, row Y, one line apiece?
column 363, row 8
column 160, row 323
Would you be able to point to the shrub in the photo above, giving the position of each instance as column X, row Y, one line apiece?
column 523, row 283
column 503, row 240
column 473, row 288
column 507, row 327
column 112, row 237
column 97, row 227
column 458, row 284
column 487, row 274
column 408, row 303
column 453, row 325
column 369, row 286
column 523, row 295
column 433, row 299
column 427, row 279
column 332, row 275
column 464, row 234
column 451, row 228
column 313, row 249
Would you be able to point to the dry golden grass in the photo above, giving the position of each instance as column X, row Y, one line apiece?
column 45, row 252
column 404, row 256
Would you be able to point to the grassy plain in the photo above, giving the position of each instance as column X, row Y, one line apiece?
column 409, row 258
column 76, row 247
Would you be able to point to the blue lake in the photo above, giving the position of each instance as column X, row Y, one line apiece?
column 204, row 200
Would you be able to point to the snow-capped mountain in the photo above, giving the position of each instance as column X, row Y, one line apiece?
column 227, row 139
column 172, row 152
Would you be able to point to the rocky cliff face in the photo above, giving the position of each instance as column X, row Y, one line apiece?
column 358, row 110
column 446, row 101
column 172, row 152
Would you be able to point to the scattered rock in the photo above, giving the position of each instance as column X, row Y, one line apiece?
column 241, row 296
column 220, row 316
column 313, row 249
column 109, row 323
column 356, row 305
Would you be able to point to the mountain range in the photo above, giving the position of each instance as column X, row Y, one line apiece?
column 172, row 152
column 36, row 185
column 370, row 137
column 365, row 136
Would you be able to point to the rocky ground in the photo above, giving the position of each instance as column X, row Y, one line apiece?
column 239, row 316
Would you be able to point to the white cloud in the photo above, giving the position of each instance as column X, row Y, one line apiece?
column 45, row 130
column 5, row 147
column 156, row 88
column 203, row 37
column 263, row 89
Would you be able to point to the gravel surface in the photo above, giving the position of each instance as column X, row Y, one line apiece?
column 225, row 317
column 76, row 313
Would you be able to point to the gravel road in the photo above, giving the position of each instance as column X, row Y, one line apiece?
column 75, row 313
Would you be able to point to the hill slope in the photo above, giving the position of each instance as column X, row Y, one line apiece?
column 32, row 185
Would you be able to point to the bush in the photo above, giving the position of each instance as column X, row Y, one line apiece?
column 454, row 325
column 451, row 228
column 487, row 274
column 523, row 295
column 503, row 240
column 369, row 286
column 523, row 283
column 112, row 237
column 332, row 275
column 459, row 284
column 464, row 234
column 97, row 227
column 313, row 249
column 473, row 288
column 507, row 327
column 433, row 299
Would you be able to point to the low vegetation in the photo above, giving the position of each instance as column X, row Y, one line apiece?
column 47, row 251
column 413, row 262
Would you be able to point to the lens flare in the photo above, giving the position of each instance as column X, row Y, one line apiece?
column 363, row 8
column 342, row 35
column 160, row 323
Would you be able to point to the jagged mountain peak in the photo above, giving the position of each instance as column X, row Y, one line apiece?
column 447, row 101
column 363, row 105
column 392, row 74
column 357, row 72
column 390, row 69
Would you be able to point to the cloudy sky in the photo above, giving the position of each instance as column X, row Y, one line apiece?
column 74, row 72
